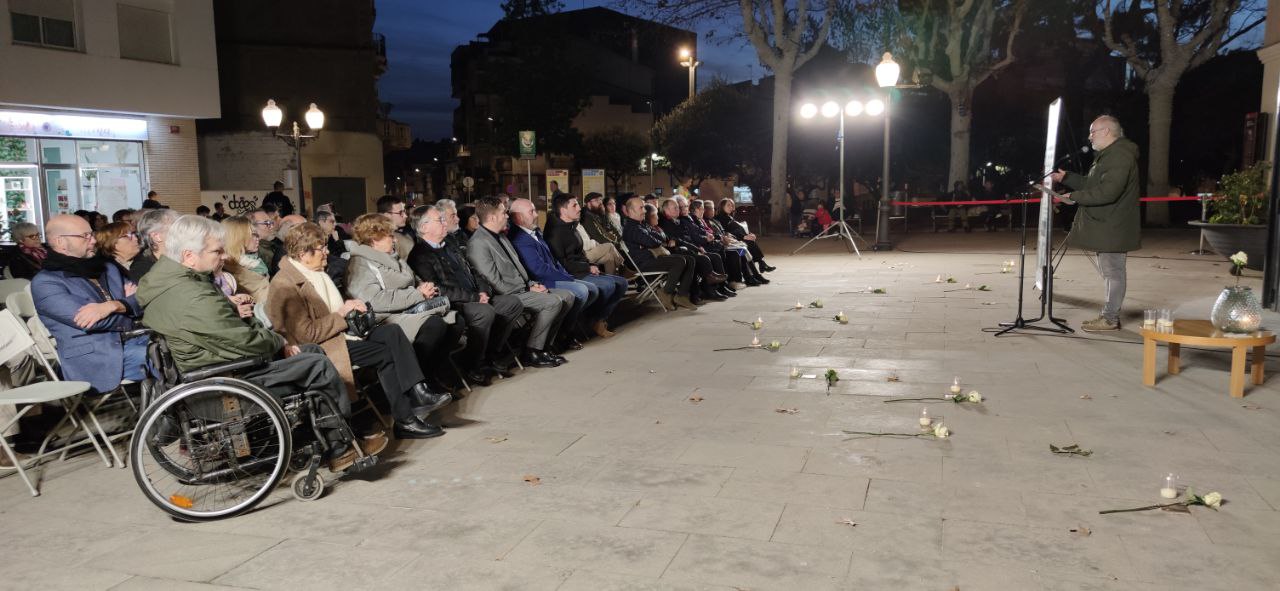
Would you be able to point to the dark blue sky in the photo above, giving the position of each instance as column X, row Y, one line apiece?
column 421, row 35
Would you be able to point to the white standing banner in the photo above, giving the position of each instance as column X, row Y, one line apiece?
column 592, row 181
column 1044, row 250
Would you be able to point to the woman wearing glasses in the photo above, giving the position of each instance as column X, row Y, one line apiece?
column 29, row 257
column 118, row 243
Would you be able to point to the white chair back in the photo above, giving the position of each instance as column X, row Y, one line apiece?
column 8, row 286
column 20, row 303
column 14, row 338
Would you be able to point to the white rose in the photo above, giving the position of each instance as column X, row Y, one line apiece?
column 1240, row 258
column 1213, row 499
column 941, row 431
column 975, row 397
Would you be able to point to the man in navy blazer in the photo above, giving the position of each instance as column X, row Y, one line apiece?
column 87, row 304
column 542, row 265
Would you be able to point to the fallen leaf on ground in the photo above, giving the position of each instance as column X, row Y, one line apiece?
column 695, row 399
column 495, row 439
column 532, row 480
column 1170, row 432
column 847, row 521
column 1085, row 397
column 608, row 371
column 786, row 411
column 893, row 378
column 657, row 422
column 1081, row 530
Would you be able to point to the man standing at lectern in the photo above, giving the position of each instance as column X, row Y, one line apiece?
column 1107, row 219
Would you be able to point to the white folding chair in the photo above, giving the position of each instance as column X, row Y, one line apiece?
column 44, row 342
column 651, row 281
column 8, row 286
column 16, row 341
column 20, row 302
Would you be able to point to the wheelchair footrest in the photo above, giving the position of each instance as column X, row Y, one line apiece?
column 363, row 463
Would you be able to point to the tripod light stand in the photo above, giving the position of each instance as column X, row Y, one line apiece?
column 840, row 229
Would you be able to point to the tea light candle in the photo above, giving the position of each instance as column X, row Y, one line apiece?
column 1168, row 493
column 795, row 372
column 755, row 341
column 925, row 419
column 955, row 386
column 938, row 280
column 799, row 305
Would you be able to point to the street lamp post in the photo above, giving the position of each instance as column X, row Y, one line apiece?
column 273, row 116
column 692, row 64
column 887, row 77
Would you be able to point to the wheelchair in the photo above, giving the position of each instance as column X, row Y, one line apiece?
column 210, row 446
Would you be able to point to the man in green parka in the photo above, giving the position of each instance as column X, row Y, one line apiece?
column 1107, row 220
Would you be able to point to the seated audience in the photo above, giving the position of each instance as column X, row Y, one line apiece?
column 394, row 208
column 707, row 263
column 29, row 257
column 264, row 222
column 377, row 275
column 747, row 269
column 611, row 212
column 564, row 239
column 647, row 246
column 601, row 242
column 307, row 308
column 287, row 223
column 86, row 304
column 243, row 263
column 732, row 226
column 151, row 233
column 336, row 242
column 730, row 263
column 468, row 223
column 494, row 258
column 543, row 267
column 202, row 328
column 203, row 211
column 454, row 234
column 118, row 243
column 490, row 317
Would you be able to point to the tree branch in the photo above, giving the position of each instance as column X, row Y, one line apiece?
column 1019, row 11
column 821, row 38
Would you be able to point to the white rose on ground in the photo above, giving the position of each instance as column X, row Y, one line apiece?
column 941, row 431
column 975, row 397
column 1240, row 258
column 1213, row 499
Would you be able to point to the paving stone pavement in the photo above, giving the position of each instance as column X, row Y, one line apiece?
column 665, row 465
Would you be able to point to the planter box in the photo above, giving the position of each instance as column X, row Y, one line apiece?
column 1228, row 239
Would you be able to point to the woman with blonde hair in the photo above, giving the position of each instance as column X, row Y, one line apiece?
column 242, row 262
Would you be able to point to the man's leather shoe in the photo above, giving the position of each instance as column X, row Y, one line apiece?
column 762, row 280
column 753, row 282
column 714, row 278
column 479, row 376
column 682, row 301
column 713, row 296
column 571, row 344
column 726, row 292
column 556, row 357
column 766, row 268
column 601, row 328
column 416, row 428
column 499, row 371
column 536, row 358
column 425, row 400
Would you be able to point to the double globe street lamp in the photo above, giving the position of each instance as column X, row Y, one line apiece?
column 273, row 117
column 688, row 61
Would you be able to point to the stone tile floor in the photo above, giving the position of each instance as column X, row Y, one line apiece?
column 643, row 488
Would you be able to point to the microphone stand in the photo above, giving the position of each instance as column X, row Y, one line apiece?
column 1046, row 297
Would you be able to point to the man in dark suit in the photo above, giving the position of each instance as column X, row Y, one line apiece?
column 563, row 239
column 668, row 220
column 490, row 318
column 494, row 258
column 648, row 247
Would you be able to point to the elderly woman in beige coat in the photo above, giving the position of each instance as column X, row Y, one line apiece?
column 375, row 274
column 306, row 307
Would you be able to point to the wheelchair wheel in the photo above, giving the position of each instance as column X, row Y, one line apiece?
column 306, row 487
column 210, row 449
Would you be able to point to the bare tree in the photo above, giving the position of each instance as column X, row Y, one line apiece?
column 949, row 42
column 785, row 35
column 1161, row 40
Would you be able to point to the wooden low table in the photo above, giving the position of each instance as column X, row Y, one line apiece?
column 1202, row 333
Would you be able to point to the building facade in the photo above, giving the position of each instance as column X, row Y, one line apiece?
column 296, row 53
column 98, row 103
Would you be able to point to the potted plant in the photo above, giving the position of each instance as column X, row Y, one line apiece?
column 1239, row 212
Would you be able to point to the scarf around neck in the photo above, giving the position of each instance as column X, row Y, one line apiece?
column 88, row 268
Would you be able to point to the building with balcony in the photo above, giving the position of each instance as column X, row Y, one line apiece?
column 98, row 103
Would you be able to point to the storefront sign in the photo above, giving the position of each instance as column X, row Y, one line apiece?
column 592, row 181
column 32, row 123
column 233, row 202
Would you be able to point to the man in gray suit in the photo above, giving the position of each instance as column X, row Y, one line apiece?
column 494, row 258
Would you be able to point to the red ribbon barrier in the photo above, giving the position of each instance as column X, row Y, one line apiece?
column 1016, row 201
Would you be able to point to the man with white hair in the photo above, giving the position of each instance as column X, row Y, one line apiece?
column 287, row 223
column 453, row 235
column 202, row 328
column 151, row 231
column 1107, row 221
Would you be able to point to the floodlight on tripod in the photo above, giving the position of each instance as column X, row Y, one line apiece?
column 829, row 109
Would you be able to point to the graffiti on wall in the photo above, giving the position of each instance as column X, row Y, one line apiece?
column 233, row 202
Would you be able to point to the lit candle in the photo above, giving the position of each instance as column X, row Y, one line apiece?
column 938, row 280
column 755, row 341
column 799, row 305
column 955, row 386
column 925, row 419
column 1169, row 493
column 795, row 372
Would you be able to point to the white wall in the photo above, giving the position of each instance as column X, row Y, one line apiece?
column 97, row 79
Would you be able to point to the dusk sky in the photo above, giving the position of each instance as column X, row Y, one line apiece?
column 422, row 35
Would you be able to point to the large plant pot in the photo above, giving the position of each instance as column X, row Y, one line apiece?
column 1228, row 239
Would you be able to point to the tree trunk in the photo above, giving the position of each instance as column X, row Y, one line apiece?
column 961, row 122
column 781, row 127
column 1159, row 121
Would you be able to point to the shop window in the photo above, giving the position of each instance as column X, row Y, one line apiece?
column 107, row 152
column 47, row 23
column 144, row 34
column 16, row 149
